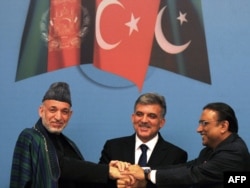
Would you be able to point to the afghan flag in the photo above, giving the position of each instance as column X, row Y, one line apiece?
column 180, row 44
column 53, row 36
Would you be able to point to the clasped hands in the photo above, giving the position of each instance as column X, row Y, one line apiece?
column 127, row 175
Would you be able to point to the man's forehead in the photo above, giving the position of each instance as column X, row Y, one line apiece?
column 153, row 108
column 209, row 113
column 56, row 103
column 141, row 105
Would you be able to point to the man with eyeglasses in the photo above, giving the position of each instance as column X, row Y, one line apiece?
column 224, row 152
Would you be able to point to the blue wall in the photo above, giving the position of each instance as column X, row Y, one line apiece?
column 102, row 112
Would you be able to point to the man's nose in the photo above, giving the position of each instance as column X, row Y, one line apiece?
column 199, row 128
column 58, row 115
column 144, row 118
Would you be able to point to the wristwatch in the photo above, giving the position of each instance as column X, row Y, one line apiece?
column 147, row 170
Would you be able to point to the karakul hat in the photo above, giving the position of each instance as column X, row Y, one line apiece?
column 58, row 91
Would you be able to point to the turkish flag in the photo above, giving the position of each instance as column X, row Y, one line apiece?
column 124, row 36
column 64, row 40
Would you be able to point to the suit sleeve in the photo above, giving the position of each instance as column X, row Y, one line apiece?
column 181, row 157
column 84, row 171
column 21, row 162
column 201, row 172
column 105, row 158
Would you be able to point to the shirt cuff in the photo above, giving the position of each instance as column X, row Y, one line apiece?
column 153, row 176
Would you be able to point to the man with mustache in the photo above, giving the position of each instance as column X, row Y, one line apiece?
column 45, row 158
column 148, row 118
column 224, row 151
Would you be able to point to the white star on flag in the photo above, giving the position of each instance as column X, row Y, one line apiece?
column 132, row 24
column 182, row 17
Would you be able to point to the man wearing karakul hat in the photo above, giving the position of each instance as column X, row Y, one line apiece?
column 45, row 158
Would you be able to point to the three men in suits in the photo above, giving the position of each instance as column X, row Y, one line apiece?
column 148, row 118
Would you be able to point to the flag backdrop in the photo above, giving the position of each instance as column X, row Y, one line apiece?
column 181, row 24
column 33, row 52
column 56, row 36
column 64, row 34
column 122, row 37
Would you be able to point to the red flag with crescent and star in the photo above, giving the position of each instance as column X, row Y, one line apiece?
column 124, row 36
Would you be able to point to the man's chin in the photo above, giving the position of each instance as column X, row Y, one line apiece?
column 55, row 131
column 144, row 136
column 144, row 133
column 204, row 143
column 144, row 130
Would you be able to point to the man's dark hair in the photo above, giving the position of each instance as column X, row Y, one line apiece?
column 225, row 112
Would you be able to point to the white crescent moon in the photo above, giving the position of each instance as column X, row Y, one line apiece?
column 102, row 43
column 163, row 42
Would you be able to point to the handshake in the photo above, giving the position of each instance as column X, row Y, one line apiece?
column 127, row 175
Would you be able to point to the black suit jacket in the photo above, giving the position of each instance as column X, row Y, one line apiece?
column 207, row 170
column 123, row 149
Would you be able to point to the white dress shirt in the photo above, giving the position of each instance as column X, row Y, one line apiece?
column 151, row 144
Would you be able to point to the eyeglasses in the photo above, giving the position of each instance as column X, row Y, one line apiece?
column 204, row 123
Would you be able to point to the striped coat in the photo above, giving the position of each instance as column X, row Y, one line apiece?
column 35, row 163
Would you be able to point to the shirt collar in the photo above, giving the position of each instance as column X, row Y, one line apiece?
column 151, row 143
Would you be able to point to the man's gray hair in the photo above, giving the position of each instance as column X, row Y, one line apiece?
column 152, row 98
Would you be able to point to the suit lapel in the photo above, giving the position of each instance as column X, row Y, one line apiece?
column 159, row 153
column 130, row 149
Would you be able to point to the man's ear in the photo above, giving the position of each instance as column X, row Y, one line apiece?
column 225, row 126
column 163, row 121
column 40, row 110
column 132, row 117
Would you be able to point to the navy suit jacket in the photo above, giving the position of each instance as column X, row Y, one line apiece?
column 123, row 149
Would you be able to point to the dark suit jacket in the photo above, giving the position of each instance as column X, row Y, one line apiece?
column 123, row 149
column 207, row 170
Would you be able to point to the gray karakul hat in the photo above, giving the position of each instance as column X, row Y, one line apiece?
column 58, row 91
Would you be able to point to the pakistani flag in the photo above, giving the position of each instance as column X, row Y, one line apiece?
column 180, row 43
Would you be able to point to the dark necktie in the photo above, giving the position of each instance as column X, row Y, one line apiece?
column 143, row 158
